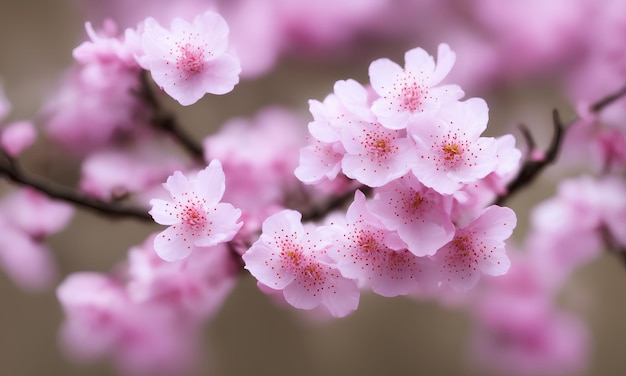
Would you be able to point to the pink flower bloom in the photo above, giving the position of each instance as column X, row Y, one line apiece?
column 419, row 214
column 294, row 259
column 451, row 151
column 368, row 253
column 191, row 59
column 195, row 216
column 409, row 92
column 375, row 155
column 476, row 249
column 17, row 136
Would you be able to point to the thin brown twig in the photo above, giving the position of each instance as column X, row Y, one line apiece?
column 15, row 173
column 533, row 168
column 166, row 121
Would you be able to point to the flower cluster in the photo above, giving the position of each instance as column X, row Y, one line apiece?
column 427, row 225
column 396, row 190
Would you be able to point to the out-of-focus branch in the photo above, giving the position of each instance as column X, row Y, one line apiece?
column 532, row 168
column 12, row 170
column 602, row 103
column 166, row 121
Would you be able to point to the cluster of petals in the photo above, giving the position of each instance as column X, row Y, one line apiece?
column 410, row 138
column 417, row 251
column 295, row 259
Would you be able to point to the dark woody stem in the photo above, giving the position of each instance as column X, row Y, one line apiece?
column 532, row 168
column 166, row 122
column 15, row 173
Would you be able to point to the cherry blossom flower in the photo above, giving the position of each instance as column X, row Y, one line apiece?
column 293, row 258
column 451, row 151
column 190, row 60
column 419, row 214
column 195, row 216
column 375, row 155
column 409, row 92
column 476, row 249
column 365, row 251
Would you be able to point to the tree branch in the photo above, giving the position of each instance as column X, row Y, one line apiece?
column 532, row 168
column 166, row 121
column 13, row 171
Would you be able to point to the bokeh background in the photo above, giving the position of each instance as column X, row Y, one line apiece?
column 250, row 335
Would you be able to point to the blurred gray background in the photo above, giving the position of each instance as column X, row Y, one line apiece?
column 250, row 335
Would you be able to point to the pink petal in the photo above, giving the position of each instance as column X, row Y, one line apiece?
column 162, row 212
column 172, row 245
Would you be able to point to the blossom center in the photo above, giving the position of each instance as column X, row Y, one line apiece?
column 293, row 257
column 379, row 144
column 193, row 217
column 416, row 202
column 412, row 92
column 291, row 253
column 190, row 58
column 464, row 250
column 451, row 151
column 312, row 271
